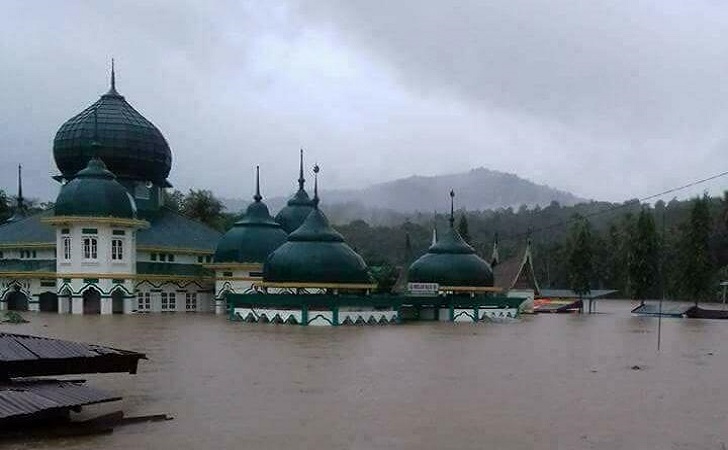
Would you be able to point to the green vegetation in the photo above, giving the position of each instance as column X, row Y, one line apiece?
column 679, row 248
column 581, row 256
column 643, row 248
column 629, row 251
column 200, row 205
column 5, row 210
column 463, row 228
column 14, row 317
column 695, row 257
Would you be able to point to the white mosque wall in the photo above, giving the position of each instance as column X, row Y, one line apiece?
column 234, row 281
column 169, row 256
column 172, row 296
column 478, row 315
column 318, row 318
column 90, row 249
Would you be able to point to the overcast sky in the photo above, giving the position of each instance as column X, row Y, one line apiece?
column 607, row 99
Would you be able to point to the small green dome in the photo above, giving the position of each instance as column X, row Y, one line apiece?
column 253, row 237
column 451, row 262
column 316, row 253
column 133, row 147
column 295, row 212
column 94, row 192
column 298, row 207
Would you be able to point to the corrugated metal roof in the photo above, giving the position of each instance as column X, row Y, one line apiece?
column 25, row 398
column 24, row 355
column 21, row 346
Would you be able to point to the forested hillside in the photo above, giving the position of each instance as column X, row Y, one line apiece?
column 618, row 241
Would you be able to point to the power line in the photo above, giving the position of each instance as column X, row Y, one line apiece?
column 616, row 207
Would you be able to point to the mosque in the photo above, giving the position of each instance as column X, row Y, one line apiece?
column 110, row 246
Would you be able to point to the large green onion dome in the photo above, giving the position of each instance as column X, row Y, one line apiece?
column 298, row 207
column 316, row 253
column 94, row 192
column 451, row 262
column 133, row 147
column 253, row 237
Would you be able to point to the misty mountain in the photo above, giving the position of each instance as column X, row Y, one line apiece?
column 478, row 189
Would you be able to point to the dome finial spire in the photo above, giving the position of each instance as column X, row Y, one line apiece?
column 112, row 88
column 301, row 180
column 21, row 201
column 316, row 170
column 452, row 208
column 257, row 196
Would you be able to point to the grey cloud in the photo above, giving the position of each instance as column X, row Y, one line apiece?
column 611, row 65
column 554, row 91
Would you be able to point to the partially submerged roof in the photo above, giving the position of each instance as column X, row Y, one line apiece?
column 29, row 356
column 568, row 293
column 26, row 398
column 517, row 273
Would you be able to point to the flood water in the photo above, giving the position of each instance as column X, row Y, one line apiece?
column 543, row 382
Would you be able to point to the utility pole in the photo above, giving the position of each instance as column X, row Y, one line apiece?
column 662, row 282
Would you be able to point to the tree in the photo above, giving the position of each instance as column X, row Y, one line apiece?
column 615, row 258
column 696, row 266
column 580, row 257
column 203, row 206
column 174, row 200
column 385, row 276
column 5, row 211
column 463, row 228
column 643, row 258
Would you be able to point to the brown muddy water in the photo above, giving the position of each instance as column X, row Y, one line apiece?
column 543, row 382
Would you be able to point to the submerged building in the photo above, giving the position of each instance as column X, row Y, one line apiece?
column 241, row 252
column 109, row 245
column 315, row 278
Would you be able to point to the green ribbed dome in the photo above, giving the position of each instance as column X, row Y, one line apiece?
column 133, row 147
column 253, row 237
column 295, row 212
column 298, row 207
column 451, row 262
column 94, row 192
column 316, row 253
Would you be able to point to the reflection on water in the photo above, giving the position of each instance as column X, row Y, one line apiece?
column 545, row 382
